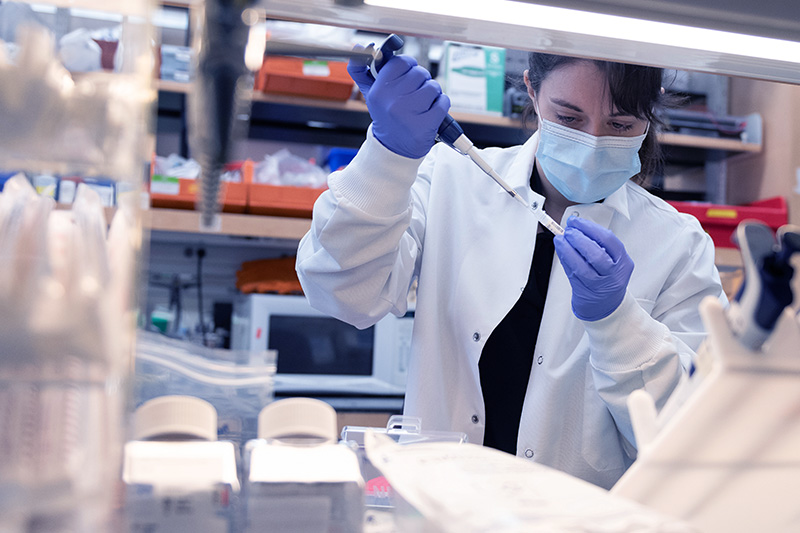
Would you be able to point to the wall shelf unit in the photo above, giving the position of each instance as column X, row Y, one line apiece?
column 299, row 119
column 186, row 221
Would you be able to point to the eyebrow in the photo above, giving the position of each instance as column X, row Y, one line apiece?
column 564, row 103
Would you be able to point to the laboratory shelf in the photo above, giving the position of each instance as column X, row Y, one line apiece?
column 187, row 221
column 263, row 226
column 708, row 143
column 325, row 122
column 342, row 123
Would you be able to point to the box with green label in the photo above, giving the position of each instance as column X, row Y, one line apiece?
column 474, row 77
column 294, row 76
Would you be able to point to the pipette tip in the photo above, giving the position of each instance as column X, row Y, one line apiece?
column 547, row 221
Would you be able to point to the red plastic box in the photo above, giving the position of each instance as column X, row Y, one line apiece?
column 720, row 221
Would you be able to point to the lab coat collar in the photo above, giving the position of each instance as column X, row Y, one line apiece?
column 618, row 200
column 519, row 179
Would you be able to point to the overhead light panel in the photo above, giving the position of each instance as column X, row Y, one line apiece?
column 607, row 26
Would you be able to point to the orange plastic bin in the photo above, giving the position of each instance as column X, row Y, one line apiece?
column 293, row 76
column 282, row 200
column 181, row 193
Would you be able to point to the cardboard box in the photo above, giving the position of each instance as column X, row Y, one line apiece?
column 181, row 193
column 474, row 77
column 720, row 221
column 175, row 63
column 303, row 77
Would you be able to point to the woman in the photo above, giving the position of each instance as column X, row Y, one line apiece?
column 525, row 350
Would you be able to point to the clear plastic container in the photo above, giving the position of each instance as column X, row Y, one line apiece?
column 77, row 101
column 66, row 279
column 404, row 430
column 237, row 383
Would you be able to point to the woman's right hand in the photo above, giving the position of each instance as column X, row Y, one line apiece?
column 405, row 103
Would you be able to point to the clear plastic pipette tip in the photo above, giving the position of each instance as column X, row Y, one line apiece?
column 543, row 218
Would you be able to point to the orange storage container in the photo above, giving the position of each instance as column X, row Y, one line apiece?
column 269, row 276
column 282, row 200
column 720, row 221
column 181, row 193
column 303, row 77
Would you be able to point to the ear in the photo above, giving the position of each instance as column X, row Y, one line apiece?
column 531, row 92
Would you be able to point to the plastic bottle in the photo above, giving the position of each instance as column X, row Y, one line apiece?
column 178, row 477
column 298, row 478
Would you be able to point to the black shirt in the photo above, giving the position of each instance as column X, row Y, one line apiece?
column 507, row 358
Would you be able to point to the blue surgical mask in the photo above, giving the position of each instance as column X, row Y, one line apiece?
column 585, row 168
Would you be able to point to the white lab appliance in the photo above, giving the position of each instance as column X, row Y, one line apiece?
column 318, row 354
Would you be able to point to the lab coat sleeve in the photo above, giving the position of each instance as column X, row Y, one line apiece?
column 633, row 349
column 358, row 259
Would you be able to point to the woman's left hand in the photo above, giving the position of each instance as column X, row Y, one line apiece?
column 597, row 266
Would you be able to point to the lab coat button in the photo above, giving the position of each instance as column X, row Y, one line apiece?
column 540, row 359
column 474, row 419
column 528, row 453
column 576, row 214
column 476, row 336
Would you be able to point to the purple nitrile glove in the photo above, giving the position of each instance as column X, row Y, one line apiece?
column 597, row 266
column 358, row 68
column 405, row 104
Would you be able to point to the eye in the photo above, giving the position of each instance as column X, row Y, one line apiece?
column 621, row 127
column 565, row 119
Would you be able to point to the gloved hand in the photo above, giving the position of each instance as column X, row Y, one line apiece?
column 405, row 104
column 597, row 266
column 358, row 68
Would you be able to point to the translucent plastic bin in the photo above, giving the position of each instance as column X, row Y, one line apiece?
column 237, row 383
column 76, row 101
column 404, row 430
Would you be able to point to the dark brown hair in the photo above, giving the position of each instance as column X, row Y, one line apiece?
column 635, row 90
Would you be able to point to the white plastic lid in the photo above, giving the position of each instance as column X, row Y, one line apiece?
column 297, row 418
column 176, row 415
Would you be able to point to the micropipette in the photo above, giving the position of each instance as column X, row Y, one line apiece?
column 451, row 133
column 454, row 136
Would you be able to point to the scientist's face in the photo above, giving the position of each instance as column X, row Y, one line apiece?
column 576, row 95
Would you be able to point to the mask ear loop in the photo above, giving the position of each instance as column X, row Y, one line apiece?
column 538, row 115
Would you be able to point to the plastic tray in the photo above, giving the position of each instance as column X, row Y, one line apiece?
column 181, row 193
column 404, row 430
column 720, row 221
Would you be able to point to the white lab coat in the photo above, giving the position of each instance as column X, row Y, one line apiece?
column 387, row 220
